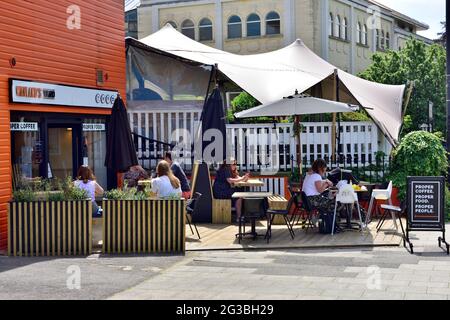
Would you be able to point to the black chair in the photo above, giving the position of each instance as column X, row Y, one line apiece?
column 306, row 206
column 292, row 203
column 190, row 209
column 252, row 209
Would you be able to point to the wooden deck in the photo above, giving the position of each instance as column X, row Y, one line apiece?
column 222, row 237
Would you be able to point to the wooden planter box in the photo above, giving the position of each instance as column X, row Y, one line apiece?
column 144, row 226
column 50, row 228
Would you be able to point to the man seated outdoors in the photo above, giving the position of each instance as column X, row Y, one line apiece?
column 179, row 173
column 314, row 186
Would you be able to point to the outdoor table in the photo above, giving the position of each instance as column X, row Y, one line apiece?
column 249, row 183
column 253, row 195
column 146, row 182
column 349, row 209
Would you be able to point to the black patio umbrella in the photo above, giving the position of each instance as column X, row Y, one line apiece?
column 213, row 118
column 120, row 150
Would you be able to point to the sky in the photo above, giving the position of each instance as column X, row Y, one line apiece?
column 430, row 12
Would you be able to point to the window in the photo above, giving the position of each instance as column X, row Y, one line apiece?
column 388, row 41
column 364, row 35
column 359, row 33
column 337, row 26
column 382, row 39
column 330, row 25
column 187, row 28
column 173, row 24
column 253, row 25
column 273, row 23
column 344, row 29
column 377, row 39
column 234, row 27
column 205, row 30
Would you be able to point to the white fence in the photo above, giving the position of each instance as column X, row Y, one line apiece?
column 253, row 145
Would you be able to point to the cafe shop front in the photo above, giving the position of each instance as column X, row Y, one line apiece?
column 61, row 66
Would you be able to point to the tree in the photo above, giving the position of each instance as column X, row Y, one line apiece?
column 423, row 64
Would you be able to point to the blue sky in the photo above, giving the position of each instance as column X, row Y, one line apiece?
column 430, row 12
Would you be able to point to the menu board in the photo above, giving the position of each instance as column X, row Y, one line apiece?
column 425, row 203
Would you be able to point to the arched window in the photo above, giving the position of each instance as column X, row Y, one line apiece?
column 382, row 39
column 344, row 29
column 253, row 25
column 364, row 35
column 187, row 28
column 234, row 27
column 273, row 25
column 337, row 26
column 330, row 25
column 205, row 29
column 359, row 33
column 388, row 41
column 173, row 24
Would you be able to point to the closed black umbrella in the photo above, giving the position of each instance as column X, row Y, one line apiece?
column 120, row 151
column 213, row 118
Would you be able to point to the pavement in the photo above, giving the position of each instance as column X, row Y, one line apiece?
column 390, row 273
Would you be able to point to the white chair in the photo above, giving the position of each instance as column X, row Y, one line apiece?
column 382, row 195
column 346, row 196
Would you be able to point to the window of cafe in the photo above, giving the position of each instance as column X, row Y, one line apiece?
column 55, row 145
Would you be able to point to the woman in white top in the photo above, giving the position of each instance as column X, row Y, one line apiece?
column 86, row 181
column 314, row 185
column 166, row 185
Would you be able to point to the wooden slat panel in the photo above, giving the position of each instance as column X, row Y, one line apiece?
column 25, row 221
column 54, row 241
column 47, row 235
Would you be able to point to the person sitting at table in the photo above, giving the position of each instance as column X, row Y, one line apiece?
column 179, row 173
column 166, row 184
column 133, row 175
column 86, row 181
column 226, row 176
column 314, row 186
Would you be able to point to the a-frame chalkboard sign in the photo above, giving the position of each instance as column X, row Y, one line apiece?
column 425, row 203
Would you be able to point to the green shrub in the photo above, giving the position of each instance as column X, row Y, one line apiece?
column 24, row 195
column 125, row 194
column 420, row 153
column 74, row 193
column 56, row 196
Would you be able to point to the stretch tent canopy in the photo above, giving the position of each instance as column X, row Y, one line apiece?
column 273, row 75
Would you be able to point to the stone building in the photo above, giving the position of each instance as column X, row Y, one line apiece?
column 344, row 32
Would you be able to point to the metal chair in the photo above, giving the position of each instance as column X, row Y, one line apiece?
column 190, row 209
column 284, row 213
column 252, row 210
column 346, row 196
column 380, row 195
column 306, row 206
column 396, row 213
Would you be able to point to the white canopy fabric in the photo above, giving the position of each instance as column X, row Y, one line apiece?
column 296, row 105
column 270, row 76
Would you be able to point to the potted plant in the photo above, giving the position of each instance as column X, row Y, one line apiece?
column 54, row 218
column 138, row 222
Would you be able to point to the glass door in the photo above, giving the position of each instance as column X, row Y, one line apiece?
column 63, row 151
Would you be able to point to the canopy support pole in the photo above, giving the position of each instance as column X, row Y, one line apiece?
column 299, row 146
column 333, row 125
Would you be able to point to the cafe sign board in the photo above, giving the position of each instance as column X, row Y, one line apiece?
column 425, row 204
column 35, row 92
column 23, row 126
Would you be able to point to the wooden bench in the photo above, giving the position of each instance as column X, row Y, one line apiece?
column 221, row 211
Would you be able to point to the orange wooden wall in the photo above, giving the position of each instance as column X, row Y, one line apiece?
column 35, row 33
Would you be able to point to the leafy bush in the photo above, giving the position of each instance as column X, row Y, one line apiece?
column 126, row 194
column 56, row 196
column 24, row 195
column 420, row 153
column 75, row 193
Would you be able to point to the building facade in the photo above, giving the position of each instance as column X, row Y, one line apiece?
column 61, row 66
column 344, row 32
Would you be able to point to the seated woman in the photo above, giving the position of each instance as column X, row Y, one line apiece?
column 314, row 186
column 166, row 184
column 226, row 176
column 86, row 181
